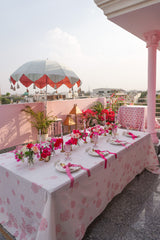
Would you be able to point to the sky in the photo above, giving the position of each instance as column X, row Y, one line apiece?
column 75, row 33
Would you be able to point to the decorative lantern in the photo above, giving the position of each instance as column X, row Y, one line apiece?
column 75, row 110
column 69, row 122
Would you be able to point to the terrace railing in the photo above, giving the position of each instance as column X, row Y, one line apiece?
column 143, row 101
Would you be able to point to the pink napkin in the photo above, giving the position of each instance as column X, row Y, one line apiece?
column 132, row 135
column 67, row 168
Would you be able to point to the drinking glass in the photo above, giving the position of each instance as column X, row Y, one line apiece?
column 67, row 149
column 114, row 132
column 127, row 126
column 95, row 140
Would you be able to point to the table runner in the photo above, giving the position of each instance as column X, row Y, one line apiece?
column 37, row 203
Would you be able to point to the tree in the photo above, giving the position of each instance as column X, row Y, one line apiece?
column 5, row 100
column 142, row 98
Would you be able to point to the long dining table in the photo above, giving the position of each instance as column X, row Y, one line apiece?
column 42, row 202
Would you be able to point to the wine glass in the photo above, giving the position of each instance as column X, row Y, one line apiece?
column 127, row 126
column 95, row 140
column 67, row 149
column 114, row 132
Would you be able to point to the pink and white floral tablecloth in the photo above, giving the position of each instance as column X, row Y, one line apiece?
column 135, row 117
column 38, row 203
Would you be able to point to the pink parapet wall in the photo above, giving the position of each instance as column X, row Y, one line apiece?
column 15, row 126
column 61, row 108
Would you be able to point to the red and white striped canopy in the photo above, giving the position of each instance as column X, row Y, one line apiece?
column 45, row 72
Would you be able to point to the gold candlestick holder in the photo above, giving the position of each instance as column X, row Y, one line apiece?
column 62, row 150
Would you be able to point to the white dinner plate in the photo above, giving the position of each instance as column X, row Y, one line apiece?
column 94, row 154
column 128, row 135
column 59, row 167
column 118, row 143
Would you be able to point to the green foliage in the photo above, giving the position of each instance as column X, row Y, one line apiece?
column 143, row 98
column 16, row 99
column 143, row 94
column 40, row 120
column 97, row 107
column 5, row 100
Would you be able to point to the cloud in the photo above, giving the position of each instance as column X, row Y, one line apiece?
column 62, row 46
column 66, row 49
column 99, row 67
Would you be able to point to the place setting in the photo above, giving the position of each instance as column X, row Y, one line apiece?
column 118, row 142
column 93, row 152
column 61, row 166
column 68, row 168
column 130, row 135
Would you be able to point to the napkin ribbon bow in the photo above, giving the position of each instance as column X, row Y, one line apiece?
column 100, row 153
column 121, row 142
column 132, row 135
column 102, row 156
column 67, row 168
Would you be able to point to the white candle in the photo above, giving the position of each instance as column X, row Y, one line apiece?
column 84, row 122
column 61, row 131
column 40, row 136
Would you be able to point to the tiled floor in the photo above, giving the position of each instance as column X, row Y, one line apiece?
column 132, row 215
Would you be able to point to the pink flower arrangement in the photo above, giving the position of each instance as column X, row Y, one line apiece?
column 45, row 152
column 93, row 117
column 78, row 135
column 56, row 143
column 111, row 126
column 29, row 151
column 96, row 130
column 32, row 151
column 87, row 113
column 72, row 141
column 109, row 115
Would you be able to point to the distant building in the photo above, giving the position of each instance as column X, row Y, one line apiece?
column 102, row 92
column 107, row 92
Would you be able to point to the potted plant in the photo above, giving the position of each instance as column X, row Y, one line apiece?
column 40, row 121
